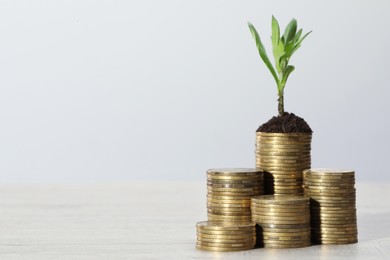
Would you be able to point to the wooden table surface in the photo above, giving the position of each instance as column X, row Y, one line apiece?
column 151, row 221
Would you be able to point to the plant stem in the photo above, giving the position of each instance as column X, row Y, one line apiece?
column 281, row 103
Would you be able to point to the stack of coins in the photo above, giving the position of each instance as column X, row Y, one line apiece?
column 283, row 157
column 283, row 221
column 229, row 193
column 333, row 205
column 225, row 237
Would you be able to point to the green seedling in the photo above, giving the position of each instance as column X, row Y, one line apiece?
column 283, row 48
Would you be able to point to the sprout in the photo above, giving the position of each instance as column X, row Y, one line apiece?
column 283, row 48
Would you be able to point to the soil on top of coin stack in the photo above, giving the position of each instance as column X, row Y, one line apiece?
column 287, row 123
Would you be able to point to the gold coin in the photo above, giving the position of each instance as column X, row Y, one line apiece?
column 218, row 226
column 287, row 234
column 235, row 186
column 243, row 232
column 218, row 197
column 279, row 169
column 236, row 182
column 243, row 203
column 233, row 171
column 329, row 179
column 224, row 241
column 228, row 205
column 285, row 230
column 329, row 186
column 339, row 242
column 282, row 144
column 334, row 180
column 234, row 189
column 257, row 211
column 236, row 194
column 341, row 211
column 235, row 178
column 326, row 226
column 280, row 214
column 282, row 162
column 229, row 218
column 334, row 214
column 322, row 171
column 226, row 245
column 229, row 209
column 284, row 156
column 223, row 249
column 284, row 238
column 283, row 226
column 262, row 222
column 243, row 211
column 280, row 200
column 335, row 204
column 229, row 213
column 226, row 237
column 268, row 150
column 286, row 179
column 276, row 207
column 286, row 242
column 286, row 246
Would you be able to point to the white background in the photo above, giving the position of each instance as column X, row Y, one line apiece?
column 163, row 90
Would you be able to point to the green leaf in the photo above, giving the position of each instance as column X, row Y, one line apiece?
column 301, row 39
column 298, row 43
column 290, row 31
column 298, row 35
column 262, row 52
column 277, row 45
column 286, row 73
column 275, row 32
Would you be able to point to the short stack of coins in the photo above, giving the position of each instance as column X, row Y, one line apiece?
column 283, row 221
column 222, row 237
column 229, row 193
column 283, row 157
column 333, row 205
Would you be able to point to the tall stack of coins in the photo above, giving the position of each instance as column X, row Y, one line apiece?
column 225, row 237
column 333, row 205
column 283, row 221
column 229, row 193
column 283, row 157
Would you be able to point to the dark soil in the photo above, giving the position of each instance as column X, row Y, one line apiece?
column 287, row 123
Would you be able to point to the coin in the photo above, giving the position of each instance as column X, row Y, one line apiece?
column 223, row 249
column 219, row 197
column 218, row 226
column 286, row 243
column 280, row 200
column 262, row 222
column 227, row 237
column 284, row 226
column 228, row 205
column 222, row 241
column 257, row 181
column 286, row 230
column 234, row 178
column 233, row 171
column 322, row 171
column 209, row 188
column 234, row 186
column 280, row 214
column 227, row 218
column 226, row 245
column 238, row 203
column 230, row 210
column 275, row 207
column 286, row 246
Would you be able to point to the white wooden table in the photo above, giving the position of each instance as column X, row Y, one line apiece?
column 151, row 221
